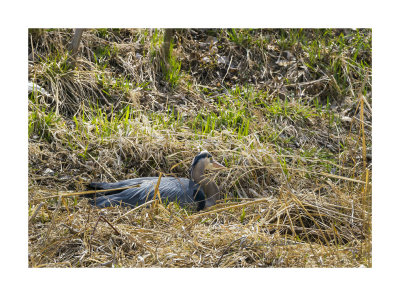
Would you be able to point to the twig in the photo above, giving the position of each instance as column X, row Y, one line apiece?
column 74, row 45
column 105, row 220
column 308, row 82
column 156, row 191
column 35, row 212
column 329, row 175
column 76, row 40
column 229, row 66
column 85, row 192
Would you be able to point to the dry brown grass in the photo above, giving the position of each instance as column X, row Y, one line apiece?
column 162, row 236
column 281, row 206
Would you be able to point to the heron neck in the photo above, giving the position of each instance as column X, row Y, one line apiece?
column 198, row 173
column 209, row 187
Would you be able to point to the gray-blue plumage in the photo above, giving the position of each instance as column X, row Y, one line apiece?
column 181, row 190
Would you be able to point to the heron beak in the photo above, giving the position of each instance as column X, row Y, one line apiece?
column 217, row 165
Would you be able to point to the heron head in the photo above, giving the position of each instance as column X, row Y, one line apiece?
column 204, row 160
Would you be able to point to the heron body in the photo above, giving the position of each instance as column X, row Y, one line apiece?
column 199, row 192
column 180, row 190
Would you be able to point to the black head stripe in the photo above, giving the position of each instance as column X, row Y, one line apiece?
column 201, row 155
column 197, row 158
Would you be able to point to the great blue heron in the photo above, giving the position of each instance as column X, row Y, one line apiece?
column 199, row 191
